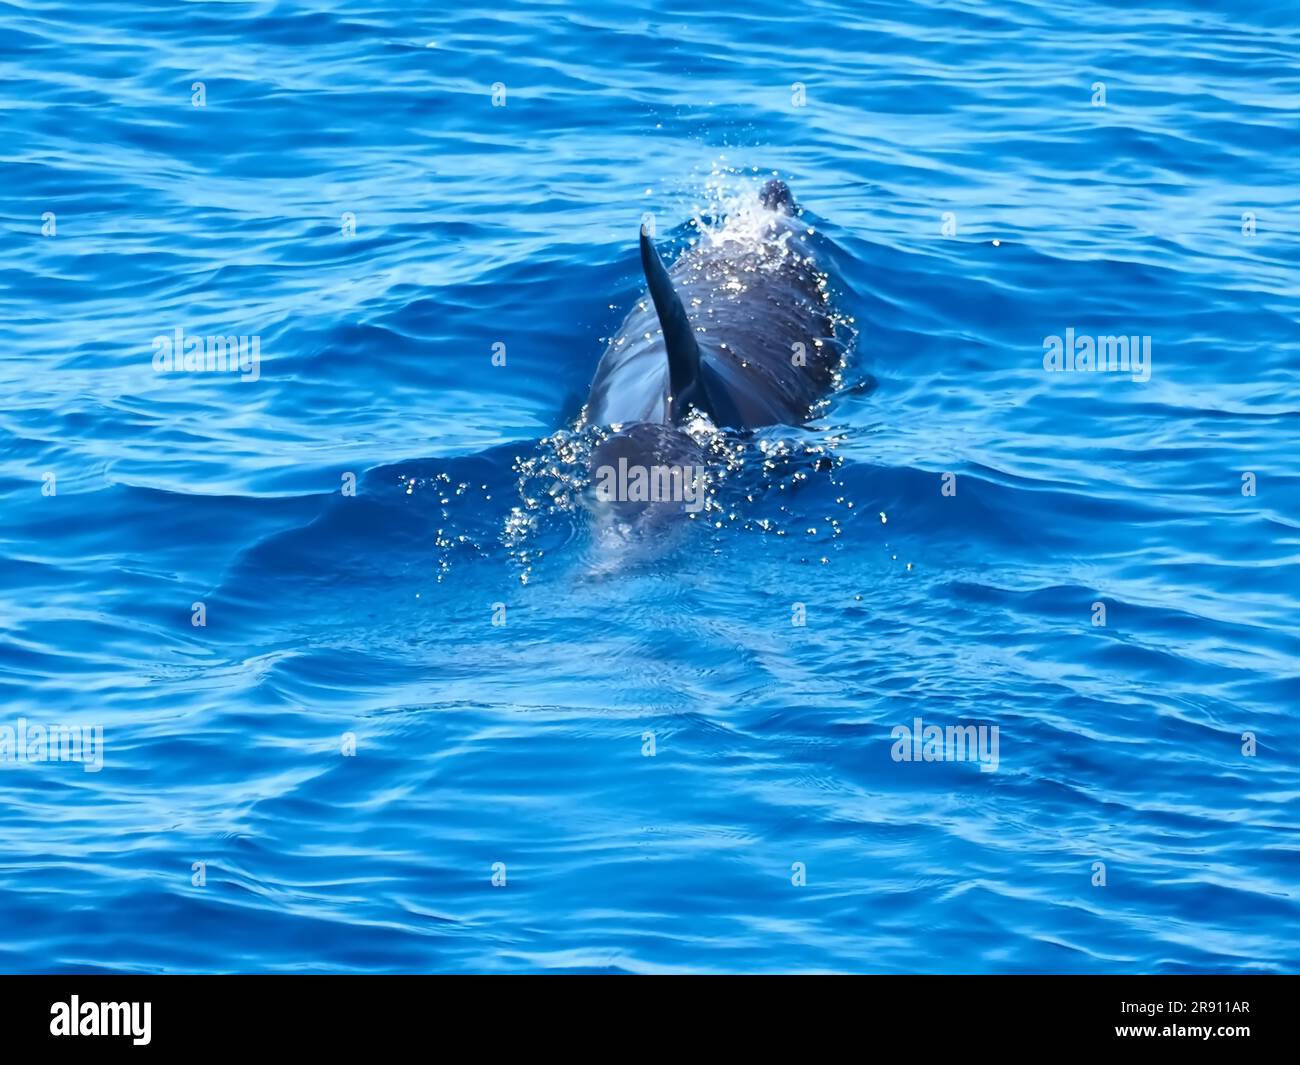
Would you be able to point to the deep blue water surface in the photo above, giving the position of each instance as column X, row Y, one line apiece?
column 1170, row 212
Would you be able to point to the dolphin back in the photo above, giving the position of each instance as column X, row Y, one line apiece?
column 740, row 328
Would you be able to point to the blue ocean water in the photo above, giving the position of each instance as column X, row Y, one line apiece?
column 649, row 767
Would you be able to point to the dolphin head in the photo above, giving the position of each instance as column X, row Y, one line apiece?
column 776, row 196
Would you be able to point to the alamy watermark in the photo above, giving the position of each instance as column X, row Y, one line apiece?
column 632, row 483
column 956, row 743
column 1102, row 354
column 212, row 354
column 77, row 1018
column 27, row 743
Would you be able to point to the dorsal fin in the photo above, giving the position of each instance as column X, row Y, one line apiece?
column 679, row 334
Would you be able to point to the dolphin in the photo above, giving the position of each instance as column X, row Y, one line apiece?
column 740, row 329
